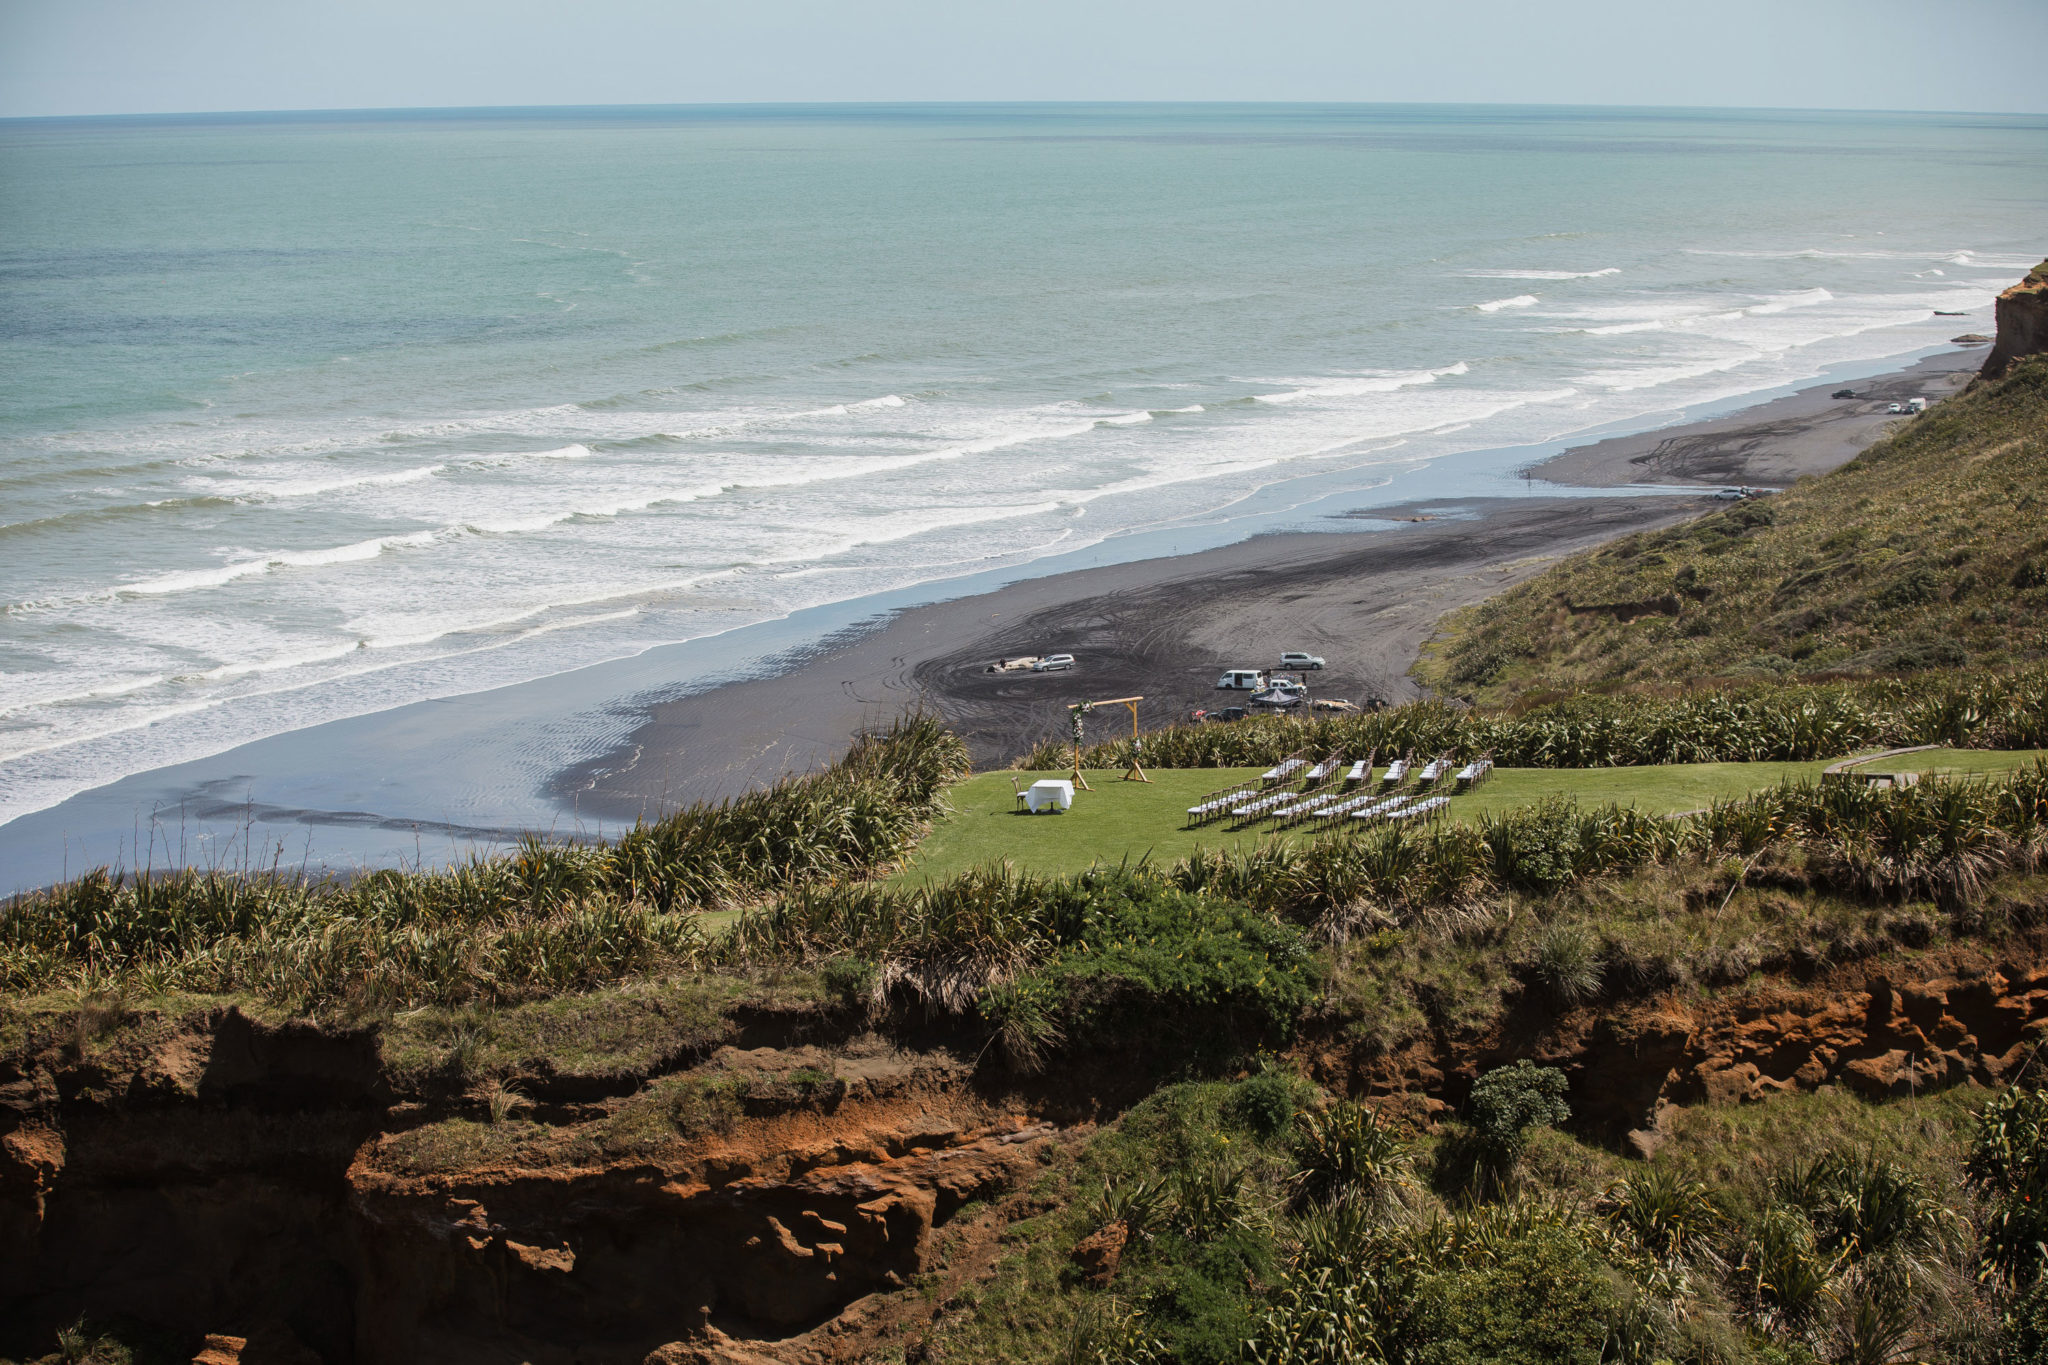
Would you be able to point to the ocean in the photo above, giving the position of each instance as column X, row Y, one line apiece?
column 313, row 416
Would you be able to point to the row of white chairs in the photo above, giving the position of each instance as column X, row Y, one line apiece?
column 1420, row 808
column 1284, row 770
column 1302, row 810
column 1314, row 803
column 1474, row 773
column 1215, row 806
column 1264, row 804
column 1376, row 808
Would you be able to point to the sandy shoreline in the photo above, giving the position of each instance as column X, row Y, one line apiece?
column 442, row 779
column 1157, row 627
column 1367, row 600
column 1771, row 444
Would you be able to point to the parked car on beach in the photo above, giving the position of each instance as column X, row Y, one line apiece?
column 1053, row 663
column 1296, row 659
column 1283, row 694
column 1241, row 679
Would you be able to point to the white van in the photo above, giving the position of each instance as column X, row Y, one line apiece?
column 1241, row 680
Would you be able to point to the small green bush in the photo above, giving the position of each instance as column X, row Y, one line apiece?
column 1505, row 1104
column 1540, row 1299
column 1264, row 1104
column 1156, row 970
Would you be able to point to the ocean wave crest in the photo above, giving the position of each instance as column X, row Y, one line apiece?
column 1541, row 274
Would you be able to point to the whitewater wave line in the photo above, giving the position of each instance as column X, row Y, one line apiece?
column 1352, row 388
column 125, row 724
column 1541, row 274
column 161, row 450
column 221, row 575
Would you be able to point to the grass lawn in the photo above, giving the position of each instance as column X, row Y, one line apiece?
column 1118, row 818
column 714, row 923
column 1960, row 762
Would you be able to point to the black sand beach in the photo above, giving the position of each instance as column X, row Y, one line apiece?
column 1771, row 444
column 1367, row 600
column 446, row 777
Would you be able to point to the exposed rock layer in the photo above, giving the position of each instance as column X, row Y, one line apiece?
column 2022, row 313
column 1882, row 1030
column 249, row 1187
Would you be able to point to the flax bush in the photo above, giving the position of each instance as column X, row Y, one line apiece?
column 1786, row 722
column 547, row 919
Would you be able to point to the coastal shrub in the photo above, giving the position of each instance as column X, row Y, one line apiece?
column 1345, row 1154
column 1541, row 1298
column 1265, row 1102
column 1480, row 1158
column 1155, row 970
column 1522, row 1282
column 1766, row 720
column 2008, row 1165
column 546, row 919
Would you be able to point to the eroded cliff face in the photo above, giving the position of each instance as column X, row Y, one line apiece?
column 258, row 1195
column 271, row 1194
column 2022, row 313
column 1880, row 1029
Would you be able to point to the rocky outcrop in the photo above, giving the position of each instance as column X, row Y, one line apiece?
column 621, row 1262
column 1879, row 1030
column 260, row 1193
column 2022, row 313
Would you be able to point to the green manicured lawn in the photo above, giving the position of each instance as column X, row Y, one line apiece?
column 1118, row 819
column 1114, row 818
column 1960, row 762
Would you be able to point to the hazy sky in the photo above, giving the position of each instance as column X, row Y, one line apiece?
column 150, row 56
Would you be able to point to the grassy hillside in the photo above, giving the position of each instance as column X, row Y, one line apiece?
column 1929, row 549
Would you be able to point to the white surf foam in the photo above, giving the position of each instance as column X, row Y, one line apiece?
column 1541, row 274
column 1803, row 298
column 195, row 579
column 1518, row 301
column 1363, row 384
column 308, row 488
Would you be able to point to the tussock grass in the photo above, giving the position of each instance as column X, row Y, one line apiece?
column 1807, row 1228
column 1927, row 549
column 551, row 919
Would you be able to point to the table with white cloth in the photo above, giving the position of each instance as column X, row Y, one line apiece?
column 1049, row 795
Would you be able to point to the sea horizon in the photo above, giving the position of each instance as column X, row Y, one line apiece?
column 808, row 107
